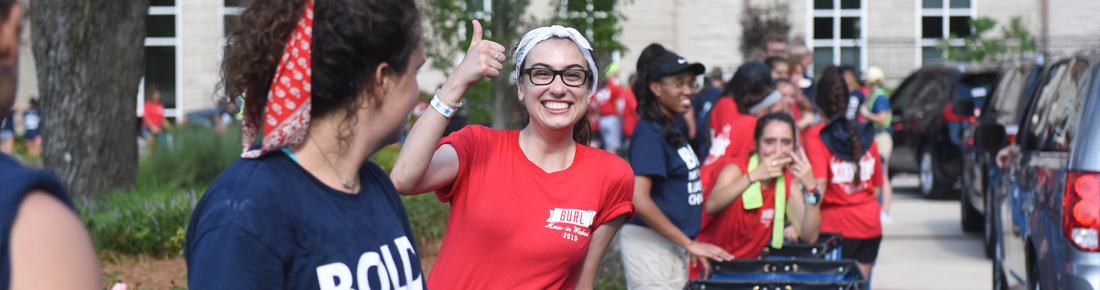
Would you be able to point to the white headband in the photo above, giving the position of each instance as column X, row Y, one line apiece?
column 768, row 101
column 543, row 33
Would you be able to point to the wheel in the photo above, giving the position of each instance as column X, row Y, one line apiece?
column 972, row 220
column 933, row 185
column 989, row 233
column 1033, row 279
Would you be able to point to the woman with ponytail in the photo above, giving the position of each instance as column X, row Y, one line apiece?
column 530, row 209
column 329, row 83
column 657, row 246
column 845, row 158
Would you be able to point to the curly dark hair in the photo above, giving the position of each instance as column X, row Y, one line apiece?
column 582, row 130
column 831, row 96
column 649, row 104
column 351, row 38
column 5, row 8
column 749, row 85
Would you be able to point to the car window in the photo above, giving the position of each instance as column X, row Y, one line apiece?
column 1007, row 94
column 1057, row 111
column 931, row 91
column 977, row 88
column 905, row 91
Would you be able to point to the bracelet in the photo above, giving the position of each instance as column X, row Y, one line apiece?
column 449, row 103
column 749, row 176
column 445, row 110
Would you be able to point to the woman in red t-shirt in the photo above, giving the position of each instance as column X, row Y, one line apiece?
column 532, row 208
column 743, row 205
column 843, row 153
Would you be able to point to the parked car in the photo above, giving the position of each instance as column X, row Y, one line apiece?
column 1047, row 206
column 1015, row 86
column 927, row 129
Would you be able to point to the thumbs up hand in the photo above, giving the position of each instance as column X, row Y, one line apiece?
column 484, row 59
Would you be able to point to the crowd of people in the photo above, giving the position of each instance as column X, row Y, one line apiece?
column 533, row 208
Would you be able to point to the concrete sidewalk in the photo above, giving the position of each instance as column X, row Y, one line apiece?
column 925, row 248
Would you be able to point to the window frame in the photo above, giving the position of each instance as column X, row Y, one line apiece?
column 836, row 43
column 945, row 13
column 175, row 42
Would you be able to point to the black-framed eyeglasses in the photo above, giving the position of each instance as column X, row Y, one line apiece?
column 545, row 76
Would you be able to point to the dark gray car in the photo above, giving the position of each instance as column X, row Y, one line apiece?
column 1045, row 204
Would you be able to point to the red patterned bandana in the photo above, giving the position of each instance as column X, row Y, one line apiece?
column 286, row 119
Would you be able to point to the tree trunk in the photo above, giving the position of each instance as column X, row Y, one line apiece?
column 504, row 31
column 89, row 56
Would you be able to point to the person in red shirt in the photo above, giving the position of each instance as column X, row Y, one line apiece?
column 630, row 109
column 845, row 158
column 610, row 106
column 743, row 205
column 152, row 119
column 533, row 208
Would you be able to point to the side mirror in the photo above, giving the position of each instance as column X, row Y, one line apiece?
column 990, row 138
column 963, row 108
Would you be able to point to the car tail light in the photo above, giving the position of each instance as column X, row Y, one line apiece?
column 950, row 116
column 1081, row 209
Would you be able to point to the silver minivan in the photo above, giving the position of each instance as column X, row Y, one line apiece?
column 1046, row 203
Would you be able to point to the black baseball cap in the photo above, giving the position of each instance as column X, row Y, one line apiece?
column 670, row 63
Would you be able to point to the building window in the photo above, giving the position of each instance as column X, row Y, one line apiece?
column 162, row 56
column 941, row 19
column 838, row 34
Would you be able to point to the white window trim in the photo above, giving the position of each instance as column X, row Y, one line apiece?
column 176, row 42
column 945, row 13
column 836, row 43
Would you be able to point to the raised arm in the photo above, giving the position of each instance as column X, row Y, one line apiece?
column 420, row 166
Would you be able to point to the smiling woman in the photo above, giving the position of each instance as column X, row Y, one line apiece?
column 501, row 184
column 667, row 189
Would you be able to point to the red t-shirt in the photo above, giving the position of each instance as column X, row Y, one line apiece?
column 731, row 136
column 743, row 233
column 848, row 209
column 514, row 226
column 153, row 113
column 630, row 114
column 609, row 99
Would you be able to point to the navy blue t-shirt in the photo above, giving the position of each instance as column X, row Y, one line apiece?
column 32, row 120
column 676, row 189
column 702, row 103
column 266, row 223
column 16, row 182
column 6, row 124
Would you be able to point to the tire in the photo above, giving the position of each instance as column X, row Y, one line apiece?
column 1033, row 278
column 972, row 220
column 932, row 182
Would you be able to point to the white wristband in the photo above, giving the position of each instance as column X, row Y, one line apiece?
column 447, row 111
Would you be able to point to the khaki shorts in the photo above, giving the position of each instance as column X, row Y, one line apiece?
column 885, row 145
column 651, row 261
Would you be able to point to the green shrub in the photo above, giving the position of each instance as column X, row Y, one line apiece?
column 427, row 216
column 194, row 156
column 140, row 221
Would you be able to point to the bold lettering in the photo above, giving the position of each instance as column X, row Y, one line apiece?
column 404, row 247
column 328, row 274
column 390, row 267
column 371, row 260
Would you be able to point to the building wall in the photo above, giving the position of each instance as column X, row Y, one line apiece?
column 892, row 32
column 705, row 31
column 200, row 41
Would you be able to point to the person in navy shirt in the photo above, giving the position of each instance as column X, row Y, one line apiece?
column 305, row 208
column 32, row 135
column 667, row 190
column 7, row 133
column 43, row 244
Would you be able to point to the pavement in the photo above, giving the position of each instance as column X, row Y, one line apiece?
column 925, row 248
